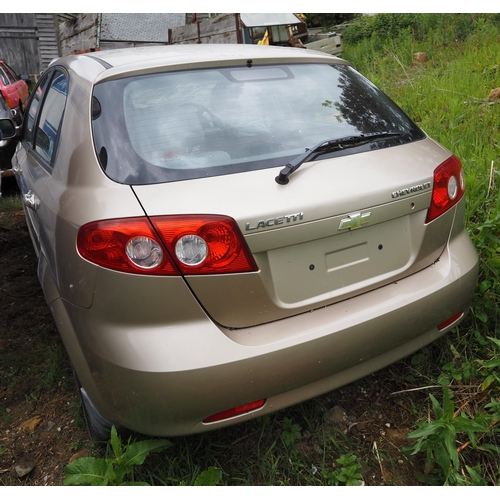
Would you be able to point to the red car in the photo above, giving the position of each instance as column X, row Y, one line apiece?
column 14, row 89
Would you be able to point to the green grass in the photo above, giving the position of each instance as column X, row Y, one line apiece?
column 10, row 203
column 448, row 97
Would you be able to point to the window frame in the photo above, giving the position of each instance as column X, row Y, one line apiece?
column 46, row 84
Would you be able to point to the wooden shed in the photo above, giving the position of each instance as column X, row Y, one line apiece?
column 90, row 32
column 28, row 42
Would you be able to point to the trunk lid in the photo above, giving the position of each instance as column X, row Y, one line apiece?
column 341, row 227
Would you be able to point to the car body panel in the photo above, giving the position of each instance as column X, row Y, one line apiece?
column 350, row 277
column 308, row 262
column 153, row 60
column 13, row 88
column 5, row 112
column 139, row 372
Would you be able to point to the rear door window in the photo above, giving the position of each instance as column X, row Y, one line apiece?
column 9, row 77
column 33, row 109
column 51, row 116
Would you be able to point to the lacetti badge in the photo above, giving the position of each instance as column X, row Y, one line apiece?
column 411, row 190
column 275, row 221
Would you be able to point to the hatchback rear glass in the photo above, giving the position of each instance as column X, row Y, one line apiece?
column 181, row 125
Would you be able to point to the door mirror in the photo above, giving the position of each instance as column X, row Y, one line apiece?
column 7, row 129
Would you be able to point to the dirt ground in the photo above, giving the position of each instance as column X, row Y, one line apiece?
column 41, row 427
column 40, row 422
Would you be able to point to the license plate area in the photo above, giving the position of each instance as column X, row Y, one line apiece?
column 336, row 265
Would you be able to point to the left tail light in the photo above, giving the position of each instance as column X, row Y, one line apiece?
column 165, row 245
column 11, row 102
column 127, row 245
column 448, row 188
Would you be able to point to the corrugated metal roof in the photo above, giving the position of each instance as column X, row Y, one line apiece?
column 257, row 20
column 139, row 27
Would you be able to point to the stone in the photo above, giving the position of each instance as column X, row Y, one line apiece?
column 420, row 57
column 29, row 426
column 494, row 94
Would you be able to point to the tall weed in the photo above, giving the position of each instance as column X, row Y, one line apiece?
column 448, row 97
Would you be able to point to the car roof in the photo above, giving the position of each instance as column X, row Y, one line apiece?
column 122, row 62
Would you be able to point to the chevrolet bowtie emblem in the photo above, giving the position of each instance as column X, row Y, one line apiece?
column 354, row 221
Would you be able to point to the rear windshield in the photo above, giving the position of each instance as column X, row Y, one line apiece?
column 189, row 124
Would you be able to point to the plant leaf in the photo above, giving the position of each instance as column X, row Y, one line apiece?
column 136, row 453
column 435, row 406
column 448, row 407
column 426, row 429
column 116, row 443
column 210, row 477
column 88, row 470
column 450, row 443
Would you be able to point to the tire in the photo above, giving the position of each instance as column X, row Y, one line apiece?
column 18, row 117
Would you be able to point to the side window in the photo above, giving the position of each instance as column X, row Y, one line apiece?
column 10, row 73
column 33, row 110
column 51, row 113
column 3, row 77
column 13, row 74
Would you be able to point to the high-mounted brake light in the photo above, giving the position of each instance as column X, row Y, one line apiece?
column 163, row 245
column 448, row 188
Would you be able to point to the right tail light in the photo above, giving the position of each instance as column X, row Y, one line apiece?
column 448, row 188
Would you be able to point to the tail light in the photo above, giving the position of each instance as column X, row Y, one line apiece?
column 9, row 101
column 163, row 245
column 205, row 244
column 127, row 245
column 448, row 188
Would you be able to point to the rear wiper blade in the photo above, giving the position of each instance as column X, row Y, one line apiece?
column 327, row 147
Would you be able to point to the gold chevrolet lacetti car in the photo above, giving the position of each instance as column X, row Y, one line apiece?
column 227, row 230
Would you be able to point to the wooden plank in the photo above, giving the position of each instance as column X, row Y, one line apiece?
column 183, row 33
column 221, row 28
column 21, row 21
column 217, row 25
column 108, row 45
column 77, row 25
column 85, row 40
column 18, row 42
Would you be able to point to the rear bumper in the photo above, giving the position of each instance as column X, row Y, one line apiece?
column 164, row 380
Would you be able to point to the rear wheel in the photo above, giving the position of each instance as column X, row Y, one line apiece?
column 18, row 115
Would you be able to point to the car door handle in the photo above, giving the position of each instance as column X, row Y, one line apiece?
column 32, row 201
column 17, row 170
